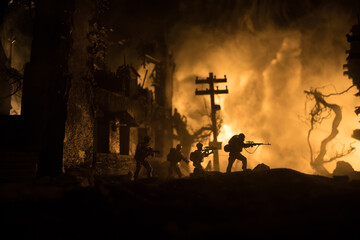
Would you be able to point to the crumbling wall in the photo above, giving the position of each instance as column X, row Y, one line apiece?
column 114, row 164
column 89, row 102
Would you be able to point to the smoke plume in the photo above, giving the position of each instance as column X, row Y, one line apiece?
column 270, row 52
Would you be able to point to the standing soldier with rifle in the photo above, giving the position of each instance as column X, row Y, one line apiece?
column 235, row 147
column 143, row 150
column 174, row 157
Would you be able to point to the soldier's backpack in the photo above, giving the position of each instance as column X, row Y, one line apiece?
column 193, row 156
column 233, row 145
column 227, row 148
column 196, row 156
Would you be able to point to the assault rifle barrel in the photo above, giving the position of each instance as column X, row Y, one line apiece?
column 254, row 143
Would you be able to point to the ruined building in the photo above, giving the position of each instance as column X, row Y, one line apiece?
column 77, row 111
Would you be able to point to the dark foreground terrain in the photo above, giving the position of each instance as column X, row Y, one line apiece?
column 275, row 203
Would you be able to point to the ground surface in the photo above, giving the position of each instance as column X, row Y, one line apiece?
column 268, row 204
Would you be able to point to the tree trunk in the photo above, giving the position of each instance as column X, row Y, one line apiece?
column 46, row 82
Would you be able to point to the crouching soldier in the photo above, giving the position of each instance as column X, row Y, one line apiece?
column 197, row 157
column 174, row 157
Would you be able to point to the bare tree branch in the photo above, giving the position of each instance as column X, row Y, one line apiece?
column 346, row 90
column 316, row 117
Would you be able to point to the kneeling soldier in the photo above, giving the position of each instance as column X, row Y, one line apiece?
column 197, row 157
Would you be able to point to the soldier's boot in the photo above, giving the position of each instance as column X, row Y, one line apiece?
column 229, row 166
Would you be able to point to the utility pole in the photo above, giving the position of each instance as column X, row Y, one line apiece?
column 214, row 107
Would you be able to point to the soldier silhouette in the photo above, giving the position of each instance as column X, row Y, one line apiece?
column 197, row 157
column 174, row 157
column 143, row 150
column 235, row 147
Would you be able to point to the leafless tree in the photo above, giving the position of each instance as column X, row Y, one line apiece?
column 320, row 111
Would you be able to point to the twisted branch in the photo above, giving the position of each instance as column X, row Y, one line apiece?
column 316, row 117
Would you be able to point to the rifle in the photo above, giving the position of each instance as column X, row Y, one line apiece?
column 152, row 151
column 155, row 151
column 206, row 150
column 252, row 143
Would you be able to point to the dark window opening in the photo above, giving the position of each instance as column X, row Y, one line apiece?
column 102, row 135
column 124, row 139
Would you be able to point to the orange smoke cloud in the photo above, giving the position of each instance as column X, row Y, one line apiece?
column 267, row 73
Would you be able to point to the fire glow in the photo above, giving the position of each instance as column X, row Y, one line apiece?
column 266, row 101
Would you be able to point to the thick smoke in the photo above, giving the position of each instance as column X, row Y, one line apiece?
column 269, row 60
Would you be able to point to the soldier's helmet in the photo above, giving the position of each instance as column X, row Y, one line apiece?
column 178, row 147
column 242, row 136
column 147, row 139
column 199, row 145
